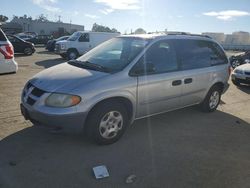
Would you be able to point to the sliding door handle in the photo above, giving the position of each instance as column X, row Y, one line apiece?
column 176, row 82
column 188, row 80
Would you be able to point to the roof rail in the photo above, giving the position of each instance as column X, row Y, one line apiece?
column 185, row 33
column 177, row 33
column 198, row 35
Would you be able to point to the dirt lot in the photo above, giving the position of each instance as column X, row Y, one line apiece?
column 184, row 148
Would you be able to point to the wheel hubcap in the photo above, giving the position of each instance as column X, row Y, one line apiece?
column 72, row 55
column 214, row 99
column 28, row 51
column 235, row 64
column 111, row 124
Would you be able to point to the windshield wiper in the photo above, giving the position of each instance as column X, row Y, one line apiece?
column 88, row 65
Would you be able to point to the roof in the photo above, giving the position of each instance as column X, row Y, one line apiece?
column 180, row 35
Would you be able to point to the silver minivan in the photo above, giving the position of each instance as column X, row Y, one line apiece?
column 127, row 78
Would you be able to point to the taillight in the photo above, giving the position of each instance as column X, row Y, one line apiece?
column 7, row 51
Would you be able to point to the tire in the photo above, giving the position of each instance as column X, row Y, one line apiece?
column 236, row 83
column 72, row 54
column 64, row 56
column 235, row 64
column 28, row 51
column 107, row 123
column 212, row 100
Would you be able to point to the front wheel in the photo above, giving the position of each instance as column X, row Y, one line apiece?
column 212, row 100
column 72, row 54
column 107, row 123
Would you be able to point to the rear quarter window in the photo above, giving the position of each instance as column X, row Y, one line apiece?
column 194, row 54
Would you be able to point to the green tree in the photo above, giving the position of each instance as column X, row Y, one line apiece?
column 42, row 18
column 140, row 31
column 100, row 28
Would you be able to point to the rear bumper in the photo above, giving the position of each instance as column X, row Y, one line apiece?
column 72, row 122
column 8, row 66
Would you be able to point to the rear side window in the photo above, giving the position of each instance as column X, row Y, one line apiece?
column 194, row 54
column 2, row 36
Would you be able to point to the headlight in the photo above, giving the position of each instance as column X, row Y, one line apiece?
column 63, row 46
column 237, row 71
column 62, row 100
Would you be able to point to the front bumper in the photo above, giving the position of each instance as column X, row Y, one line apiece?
column 67, row 121
column 241, row 78
column 58, row 50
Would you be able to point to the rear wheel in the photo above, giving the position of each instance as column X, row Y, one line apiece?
column 235, row 63
column 212, row 100
column 107, row 123
column 27, row 51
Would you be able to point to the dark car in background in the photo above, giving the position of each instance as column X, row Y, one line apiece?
column 21, row 46
column 51, row 43
column 40, row 39
column 238, row 60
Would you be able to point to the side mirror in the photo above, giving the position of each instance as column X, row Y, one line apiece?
column 142, row 69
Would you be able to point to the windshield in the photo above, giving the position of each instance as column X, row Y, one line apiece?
column 18, row 38
column 74, row 36
column 115, row 54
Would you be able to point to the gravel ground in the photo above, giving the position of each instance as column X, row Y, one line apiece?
column 183, row 148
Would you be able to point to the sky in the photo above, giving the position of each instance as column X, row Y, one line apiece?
column 195, row 16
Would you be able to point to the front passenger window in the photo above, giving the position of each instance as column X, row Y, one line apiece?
column 84, row 37
column 161, row 56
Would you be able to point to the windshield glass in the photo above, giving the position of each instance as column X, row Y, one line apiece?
column 74, row 36
column 18, row 38
column 115, row 54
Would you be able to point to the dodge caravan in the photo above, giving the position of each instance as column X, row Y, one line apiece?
column 127, row 78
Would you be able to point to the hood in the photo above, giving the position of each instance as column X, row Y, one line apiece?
column 29, row 43
column 64, row 78
column 244, row 67
column 50, row 41
column 61, row 42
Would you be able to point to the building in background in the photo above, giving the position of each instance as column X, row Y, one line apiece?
column 40, row 27
column 219, row 37
column 239, row 40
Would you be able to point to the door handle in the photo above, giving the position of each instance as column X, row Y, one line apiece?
column 188, row 80
column 176, row 82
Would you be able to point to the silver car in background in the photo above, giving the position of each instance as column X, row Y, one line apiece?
column 7, row 61
column 127, row 78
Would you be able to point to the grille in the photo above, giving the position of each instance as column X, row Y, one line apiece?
column 31, row 94
column 57, row 47
column 247, row 73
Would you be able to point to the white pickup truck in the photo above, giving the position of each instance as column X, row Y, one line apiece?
column 80, row 42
